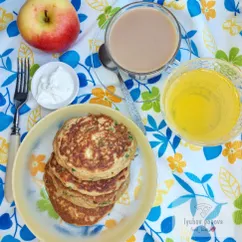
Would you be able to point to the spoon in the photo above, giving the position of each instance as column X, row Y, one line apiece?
column 110, row 65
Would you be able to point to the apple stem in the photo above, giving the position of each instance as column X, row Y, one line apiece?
column 47, row 19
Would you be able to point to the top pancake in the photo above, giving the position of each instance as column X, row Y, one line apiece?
column 94, row 147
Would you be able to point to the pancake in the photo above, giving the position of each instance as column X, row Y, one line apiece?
column 91, row 188
column 83, row 200
column 71, row 213
column 94, row 147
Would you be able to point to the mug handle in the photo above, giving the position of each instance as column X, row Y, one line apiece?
column 170, row 67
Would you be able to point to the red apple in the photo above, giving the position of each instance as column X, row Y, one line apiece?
column 49, row 25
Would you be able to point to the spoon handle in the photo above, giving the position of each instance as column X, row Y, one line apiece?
column 134, row 113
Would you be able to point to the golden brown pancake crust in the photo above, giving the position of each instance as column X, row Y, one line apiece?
column 94, row 147
column 71, row 213
column 92, row 188
column 85, row 200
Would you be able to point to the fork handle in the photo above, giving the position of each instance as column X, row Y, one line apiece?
column 13, row 148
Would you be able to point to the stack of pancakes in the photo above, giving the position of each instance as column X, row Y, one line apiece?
column 89, row 168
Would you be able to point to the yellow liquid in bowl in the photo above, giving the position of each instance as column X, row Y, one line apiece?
column 202, row 105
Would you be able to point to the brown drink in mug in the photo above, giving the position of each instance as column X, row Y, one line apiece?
column 143, row 39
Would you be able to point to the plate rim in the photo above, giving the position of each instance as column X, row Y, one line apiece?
column 126, row 229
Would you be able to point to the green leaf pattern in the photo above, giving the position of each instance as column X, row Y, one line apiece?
column 233, row 56
column 237, row 215
column 151, row 100
column 104, row 18
column 44, row 204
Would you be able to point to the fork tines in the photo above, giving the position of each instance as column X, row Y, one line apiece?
column 23, row 77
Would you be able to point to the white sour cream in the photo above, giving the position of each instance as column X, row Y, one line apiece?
column 55, row 88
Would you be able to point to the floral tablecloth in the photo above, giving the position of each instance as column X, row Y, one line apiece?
column 199, row 189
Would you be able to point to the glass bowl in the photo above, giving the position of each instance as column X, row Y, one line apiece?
column 226, row 69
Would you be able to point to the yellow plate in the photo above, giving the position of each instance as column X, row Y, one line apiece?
column 32, row 200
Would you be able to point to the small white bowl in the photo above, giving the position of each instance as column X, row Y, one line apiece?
column 49, row 68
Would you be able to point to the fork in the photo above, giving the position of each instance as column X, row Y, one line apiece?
column 20, row 98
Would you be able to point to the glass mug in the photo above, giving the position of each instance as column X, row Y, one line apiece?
column 170, row 63
column 227, row 70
